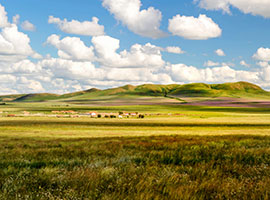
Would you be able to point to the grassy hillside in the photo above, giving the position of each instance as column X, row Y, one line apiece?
column 11, row 97
column 239, row 89
column 37, row 97
column 76, row 94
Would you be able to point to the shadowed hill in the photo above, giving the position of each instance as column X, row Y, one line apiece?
column 37, row 97
column 76, row 94
column 11, row 97
column 236, row 90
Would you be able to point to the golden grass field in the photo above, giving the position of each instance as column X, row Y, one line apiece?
column 155, row 126
column 173, row 153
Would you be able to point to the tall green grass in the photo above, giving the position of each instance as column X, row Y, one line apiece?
column 167, row 167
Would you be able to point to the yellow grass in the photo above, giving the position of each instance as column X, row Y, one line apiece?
column 44, row 127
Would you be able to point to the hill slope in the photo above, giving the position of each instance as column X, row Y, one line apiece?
column 236, row 90
column 239, row 89
column 37, row 97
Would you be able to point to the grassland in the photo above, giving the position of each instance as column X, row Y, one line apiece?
column 175, row 152
column 165, row 167
column 234, row 90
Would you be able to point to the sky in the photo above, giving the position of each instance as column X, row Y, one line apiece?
column 61, row 46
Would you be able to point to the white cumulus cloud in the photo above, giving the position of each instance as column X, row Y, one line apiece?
column 68, row 69
column 71, row 48
column 142, row 75
column 184, row 73
column 254, row 7
column 210, row 63
column 220, row 52
column 3, row 17
column 139, row 56
column 243, row 63
column 24, row 67
column 29, row 85
column 192, row 28
column 142, row 22
column 262, row 54
column 88, row 28
column 28, row 26
column 16, row 19
column 14, row 44
column 175, row 50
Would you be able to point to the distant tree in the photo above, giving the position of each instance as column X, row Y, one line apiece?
column 141, row 116
column 164, row 91
column 165, row 94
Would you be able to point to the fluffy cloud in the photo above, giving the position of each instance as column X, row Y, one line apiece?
column 254, row 7
column 14, row 45
column 265, row 74
column 243, row 63
column 210, row 63
column 215, row 5
column 16, row 19
column 262, row 54
column 263, row 64
column 139, row 56
column 3, row 17
column 88, row 28
column 142, row 22
column 201, row 28
column 68, row 69
column 138, row 75
column 29, row 86
column 11, row 84
column 71, row 48
column 220, row 52
column 24, row 67
column 103, row 65
column 184, row 73
column 7, row 79
column 28, row 26
column 176, row 50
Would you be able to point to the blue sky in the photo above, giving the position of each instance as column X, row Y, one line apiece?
column 131, row 42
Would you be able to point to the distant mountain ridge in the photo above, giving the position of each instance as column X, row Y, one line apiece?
column 237, row 90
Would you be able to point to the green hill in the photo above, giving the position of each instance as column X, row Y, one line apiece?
column 37, row 97
column 236, row 90
column 239, row 89
column 76, row 94
column 127, row 91
column 12, row 97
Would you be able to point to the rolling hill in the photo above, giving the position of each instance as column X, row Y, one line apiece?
column 234, row 90
column 239, row 89
column 37, row 97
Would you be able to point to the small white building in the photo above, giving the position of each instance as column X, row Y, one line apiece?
column 93, row 114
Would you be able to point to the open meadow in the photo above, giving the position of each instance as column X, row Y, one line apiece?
column 134, row 100
column 174, row 152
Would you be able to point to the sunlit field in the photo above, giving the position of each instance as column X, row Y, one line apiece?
column 173, row 153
